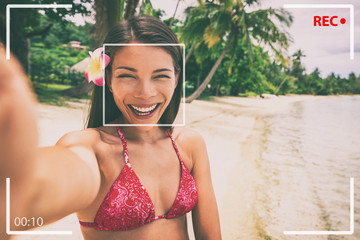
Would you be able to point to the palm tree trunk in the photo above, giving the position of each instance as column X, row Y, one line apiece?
column 172, row 19
column 191, row 50
column 130, row 8
column 107, row 15
column 208, row 78
column 283, row 81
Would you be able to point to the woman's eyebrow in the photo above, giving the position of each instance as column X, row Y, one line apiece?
column 127, row 68
column 162, row 70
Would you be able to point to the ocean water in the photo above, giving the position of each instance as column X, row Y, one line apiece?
column 310, row 152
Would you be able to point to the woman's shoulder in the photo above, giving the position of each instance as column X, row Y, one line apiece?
column 85, row 137
column 190, row 140
column 187, row 136
column 100, row 141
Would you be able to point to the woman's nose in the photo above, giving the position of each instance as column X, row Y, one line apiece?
column 145, row 89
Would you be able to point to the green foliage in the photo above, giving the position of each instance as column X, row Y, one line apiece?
column 247, row 94
column 246, row 70
column 314, row 84
column 51, row 56
column 26, row 23
column 263, row 76
column 52, row 94
column 63, row 33
column 146, row 8
column 48, row 65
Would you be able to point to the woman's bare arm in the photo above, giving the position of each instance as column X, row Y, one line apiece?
column 66, row 178
column 49, row 182
column 205, row 215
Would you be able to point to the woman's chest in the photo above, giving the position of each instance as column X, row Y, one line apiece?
column 152, row 176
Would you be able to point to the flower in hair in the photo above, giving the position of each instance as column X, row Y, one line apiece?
column 94, row 71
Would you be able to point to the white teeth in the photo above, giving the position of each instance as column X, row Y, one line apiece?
column 144, row 110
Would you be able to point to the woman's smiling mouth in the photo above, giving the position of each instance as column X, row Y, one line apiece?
column 144, row 111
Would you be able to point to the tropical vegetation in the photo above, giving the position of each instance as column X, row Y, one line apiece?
column 233, row 48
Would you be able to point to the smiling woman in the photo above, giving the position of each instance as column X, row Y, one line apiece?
column 132, row 61
column 137, row 182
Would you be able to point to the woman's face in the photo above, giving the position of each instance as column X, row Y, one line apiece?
column 143, row 81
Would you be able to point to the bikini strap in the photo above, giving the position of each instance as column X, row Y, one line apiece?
column 126, row 155
column 174, row 144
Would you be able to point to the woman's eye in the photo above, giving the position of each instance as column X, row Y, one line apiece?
column 126, row 76
column 162, row 76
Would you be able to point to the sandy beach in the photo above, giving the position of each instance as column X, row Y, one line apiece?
column 233, row 129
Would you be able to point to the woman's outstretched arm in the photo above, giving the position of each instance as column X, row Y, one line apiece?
column 49, row 182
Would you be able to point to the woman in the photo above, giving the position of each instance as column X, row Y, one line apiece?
column 133, row 182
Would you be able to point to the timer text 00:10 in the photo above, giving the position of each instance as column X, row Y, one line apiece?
column 30, row 222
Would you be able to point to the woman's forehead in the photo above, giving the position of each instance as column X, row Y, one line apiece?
column 142, row 56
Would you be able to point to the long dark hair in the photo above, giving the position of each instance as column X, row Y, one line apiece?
column 142, row 29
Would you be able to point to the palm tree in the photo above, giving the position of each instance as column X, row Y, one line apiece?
column 226, row 21
column 298, row 55
column 298, row 71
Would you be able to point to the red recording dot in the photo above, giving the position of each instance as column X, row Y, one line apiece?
column 343, row 21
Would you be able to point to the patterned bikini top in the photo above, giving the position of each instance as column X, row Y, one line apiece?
column 127, row 205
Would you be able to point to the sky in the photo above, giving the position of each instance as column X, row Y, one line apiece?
column 327, row 48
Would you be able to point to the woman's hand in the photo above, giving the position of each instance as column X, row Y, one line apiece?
column 18, row 129
column 18, row 133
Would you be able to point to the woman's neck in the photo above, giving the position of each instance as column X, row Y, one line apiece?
column 148, row 134
column 142, row 134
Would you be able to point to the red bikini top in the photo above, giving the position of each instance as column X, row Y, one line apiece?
column 127, row 205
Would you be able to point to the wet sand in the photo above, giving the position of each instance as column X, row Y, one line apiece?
column 232, row 128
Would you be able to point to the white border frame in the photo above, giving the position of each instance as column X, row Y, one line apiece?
column 350, row 232
column 10, row 6
column 145, row 44
column 350, row 6
column 9, row 232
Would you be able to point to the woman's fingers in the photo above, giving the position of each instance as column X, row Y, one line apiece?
column 12, row 76
column 18, row 129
